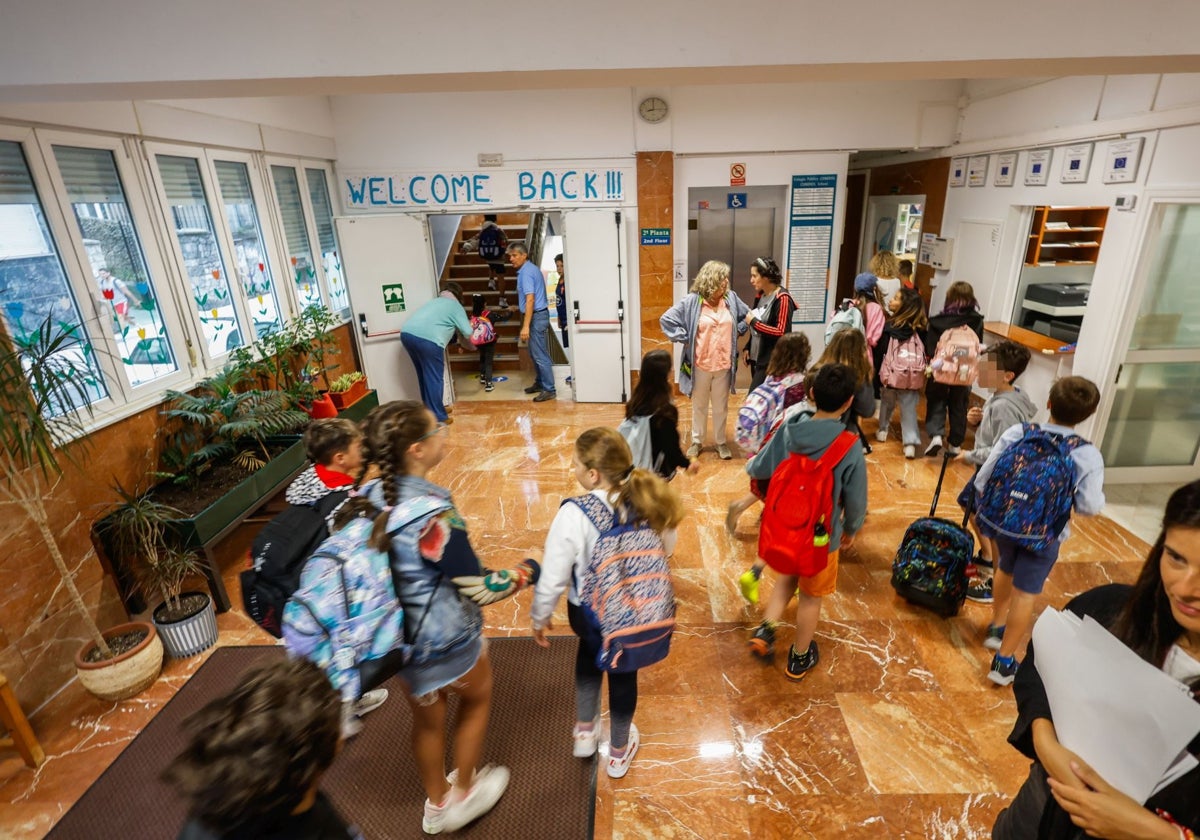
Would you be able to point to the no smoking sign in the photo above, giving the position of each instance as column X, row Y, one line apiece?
column 737, row 175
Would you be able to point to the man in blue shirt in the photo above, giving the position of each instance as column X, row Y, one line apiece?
column 531, row 299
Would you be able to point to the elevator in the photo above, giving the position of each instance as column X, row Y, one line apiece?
column 735, row 225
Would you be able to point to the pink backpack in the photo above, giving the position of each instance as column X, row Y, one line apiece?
column 956, row 359
column 904, row 364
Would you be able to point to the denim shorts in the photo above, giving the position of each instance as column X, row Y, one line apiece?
column 1029, row 569
column 428, row 677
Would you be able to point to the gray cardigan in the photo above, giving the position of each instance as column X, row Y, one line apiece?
column 680, row 323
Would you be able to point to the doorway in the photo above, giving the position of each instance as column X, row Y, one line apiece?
column 893, row 224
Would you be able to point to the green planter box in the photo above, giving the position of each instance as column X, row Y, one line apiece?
column 359, row 409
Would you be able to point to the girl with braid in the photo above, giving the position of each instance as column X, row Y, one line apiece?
column 441, row 584
column 604, row 467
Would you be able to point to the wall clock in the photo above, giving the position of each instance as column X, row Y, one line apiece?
column 653, row 109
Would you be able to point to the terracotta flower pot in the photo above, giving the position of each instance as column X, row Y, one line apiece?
column 351, row 395
column 126, row 675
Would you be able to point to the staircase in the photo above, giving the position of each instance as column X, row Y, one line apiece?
column 471, row 272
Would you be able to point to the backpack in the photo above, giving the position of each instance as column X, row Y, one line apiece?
column 956, row 359
column 797, row 516
column 849, row 318
column 636, row 431
column 491, row 243
column 626, row 593
column 1029, row 495
column 482, row 331
column 278, row 555
column 345, row 616
column 904, row 364
column 762, row 410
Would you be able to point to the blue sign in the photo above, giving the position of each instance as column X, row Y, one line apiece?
column 736, row 201
column 656, row 236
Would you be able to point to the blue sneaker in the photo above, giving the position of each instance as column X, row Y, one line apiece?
column 1003, row 670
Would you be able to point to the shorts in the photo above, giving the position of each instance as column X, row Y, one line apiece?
column 1029, row 569
column 824, row 582
column 497, row 267
column 428, row 677
column 759, row 488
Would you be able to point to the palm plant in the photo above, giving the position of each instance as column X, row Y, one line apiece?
column 44, row 398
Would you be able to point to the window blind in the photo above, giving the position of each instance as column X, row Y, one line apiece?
column 90, row 175
column 318, row 192
column 287, row 188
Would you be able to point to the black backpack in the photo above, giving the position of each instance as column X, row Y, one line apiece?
column 278, row 556
column 491, row 243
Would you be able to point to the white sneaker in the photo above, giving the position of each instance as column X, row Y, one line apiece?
column 370, row 701
column 618, row 767
column 910, row 451
column 586, row 740
column 490, row 784
column 881, row 436
column 935, row 446
column 693, row 451
column 434, row 819
column 953, row 450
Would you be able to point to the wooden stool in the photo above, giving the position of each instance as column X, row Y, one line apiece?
column 15, row 722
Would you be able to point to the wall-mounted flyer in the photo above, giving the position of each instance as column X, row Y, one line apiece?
column 1121, row 163
column 1076, row 160
column 1006, row 169
column 977, row 171
column 1037, row 167
column 810, row 245
column 958, row 171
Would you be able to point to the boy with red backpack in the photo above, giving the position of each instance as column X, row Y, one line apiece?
column 953, row 347
column 816, row 503
column 1032, row 480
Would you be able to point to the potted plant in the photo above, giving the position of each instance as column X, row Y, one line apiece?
column 47, row 380
column 347, row 389
column 140, row 537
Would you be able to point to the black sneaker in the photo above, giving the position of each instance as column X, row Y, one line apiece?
column 799, row 665
column 534, row 389
column 545, row 395
column 489, row 386
column 1003, row 670
column 762, row 642
column 981, row 592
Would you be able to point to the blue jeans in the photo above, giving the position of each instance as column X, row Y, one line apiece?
column 430, row 362
column 539, row 350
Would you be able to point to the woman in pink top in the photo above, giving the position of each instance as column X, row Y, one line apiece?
column 707, row 323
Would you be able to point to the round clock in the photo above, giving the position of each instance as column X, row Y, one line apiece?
column 653, row 109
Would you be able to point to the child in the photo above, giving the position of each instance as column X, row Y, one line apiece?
column 961, row 308
column 560, row 301
column 652, row 398
column 255, row 758
column 1021, row 572
column 870, row 303
column 849, row 348
column 604, row 467
column 908, row 319
column 759, row 416
column 906, row 274
column 334, row 446
column 491, row 244
column 441, row 583
column 832, row 392
column 1007, row 407
column 487, row 350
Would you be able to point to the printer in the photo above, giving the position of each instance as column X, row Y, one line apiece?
column 1057, row 295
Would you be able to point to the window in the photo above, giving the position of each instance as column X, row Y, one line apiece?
column 299, row 246
column 249, row 250
column 318, row 193
column 116, row 262
column 33, row 284
column 192, row 224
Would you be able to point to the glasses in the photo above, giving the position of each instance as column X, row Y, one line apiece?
column 436, row 430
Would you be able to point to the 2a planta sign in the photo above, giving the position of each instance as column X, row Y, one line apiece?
column 393, row 297
column 415, row 191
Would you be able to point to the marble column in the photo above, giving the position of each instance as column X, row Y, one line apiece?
column 655, row 198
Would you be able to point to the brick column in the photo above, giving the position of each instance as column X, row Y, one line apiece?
column 656, row 209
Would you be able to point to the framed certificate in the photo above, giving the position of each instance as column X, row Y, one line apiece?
column 977, row 171
column 958, row 171
column 1037, row 168
column 1121, row 162
column 1076, row 160
column 1006, row 169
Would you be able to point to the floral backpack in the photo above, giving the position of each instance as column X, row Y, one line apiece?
column 482, row 331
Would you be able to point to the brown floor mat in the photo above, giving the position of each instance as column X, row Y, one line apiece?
column 374, row 781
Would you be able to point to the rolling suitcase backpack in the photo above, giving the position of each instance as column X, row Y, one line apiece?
column 930, row 568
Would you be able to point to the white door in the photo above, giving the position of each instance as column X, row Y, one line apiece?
column 389, row 274
column 594, row 251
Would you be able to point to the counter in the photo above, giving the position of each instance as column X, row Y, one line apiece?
column 1036, row 342
column 1047, row 362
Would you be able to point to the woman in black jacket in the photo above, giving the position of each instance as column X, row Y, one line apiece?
column 1158, row 618
column 770, row 318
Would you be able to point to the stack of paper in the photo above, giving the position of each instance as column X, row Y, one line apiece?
column 1120, row 714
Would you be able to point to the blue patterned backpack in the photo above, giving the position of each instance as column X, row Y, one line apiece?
column 626, row 593
column 1029, row 494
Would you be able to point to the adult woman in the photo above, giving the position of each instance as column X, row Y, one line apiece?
column 707, row 323
column 1158, row 618
column 770, row 318
column 425, row 335
column 887, row 273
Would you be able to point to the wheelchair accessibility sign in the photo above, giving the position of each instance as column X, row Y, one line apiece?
column 737, row 201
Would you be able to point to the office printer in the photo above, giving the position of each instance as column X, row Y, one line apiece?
column 1058, row 294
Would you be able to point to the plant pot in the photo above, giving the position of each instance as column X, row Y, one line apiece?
column 190, row 635
column 351, row 395
column 126, row 675
column 322, row 407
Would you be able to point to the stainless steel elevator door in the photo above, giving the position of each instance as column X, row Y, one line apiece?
column 736, row 237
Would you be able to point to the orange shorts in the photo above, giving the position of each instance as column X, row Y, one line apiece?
column 823, row 582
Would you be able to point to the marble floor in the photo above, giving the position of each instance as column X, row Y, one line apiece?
column 897, row 735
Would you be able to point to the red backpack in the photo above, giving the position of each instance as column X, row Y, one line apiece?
column 798, row 514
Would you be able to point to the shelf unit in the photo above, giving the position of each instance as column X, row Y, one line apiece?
column 1065, row 235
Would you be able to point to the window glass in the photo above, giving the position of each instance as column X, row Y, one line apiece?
column 191, row 222
column 287, row 189
column 318, row 193
column 117, row 265
column 250, row 255
column 33, row 285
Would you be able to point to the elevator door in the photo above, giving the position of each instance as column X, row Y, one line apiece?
column 736, row 237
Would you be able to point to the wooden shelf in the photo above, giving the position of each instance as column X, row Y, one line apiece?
column 1063, row 243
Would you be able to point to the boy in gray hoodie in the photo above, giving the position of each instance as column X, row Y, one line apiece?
column 832, row 392
column 1008, row 406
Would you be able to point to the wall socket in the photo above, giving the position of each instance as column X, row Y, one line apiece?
column 1125, row 201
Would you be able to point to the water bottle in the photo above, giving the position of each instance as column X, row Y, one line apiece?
column 820, row 536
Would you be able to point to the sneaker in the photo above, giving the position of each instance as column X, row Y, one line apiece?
column 723, row 452
column 981, row 592
column 502, row 304
column 545, row 395
column 762, row 642
column 982, row 562
column 492, row 283
column 748, row 584
column 881, row 436
column 434, row 819
column 910, row 451
column 693, row 451
column 799, row 665
column 993, row 638
column 935, row 446
column 586, row 740
column 370, row 701
column 1003, row 670
column 534, row 389
column 489, row 386
column 953, row 450
column 490, row 784
column 618, row 767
